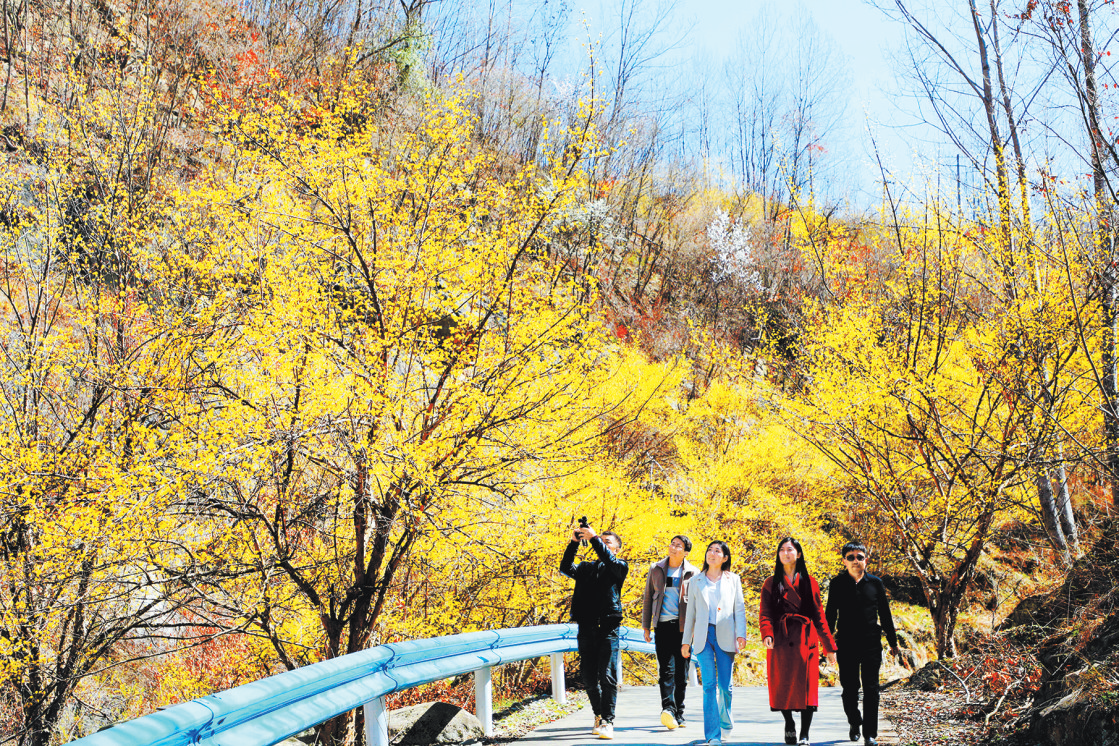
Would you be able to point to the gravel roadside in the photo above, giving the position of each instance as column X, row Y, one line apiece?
column 930, row 718
column 519, row 719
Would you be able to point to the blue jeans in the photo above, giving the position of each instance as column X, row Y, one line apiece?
column 715, row 667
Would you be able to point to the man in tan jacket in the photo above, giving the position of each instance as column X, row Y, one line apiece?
column 662, row 618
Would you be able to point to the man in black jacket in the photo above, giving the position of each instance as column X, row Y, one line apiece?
column 856, row 602
column 596, row 606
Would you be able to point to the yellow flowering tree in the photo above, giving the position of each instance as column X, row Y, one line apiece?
column 93, row 372
column 921, row 393
column 406, row 362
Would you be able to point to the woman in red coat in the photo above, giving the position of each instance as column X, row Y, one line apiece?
column 793, row 627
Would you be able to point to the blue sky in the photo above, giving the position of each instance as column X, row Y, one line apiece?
column 915, row 153
column 859, row 29
column 862, row 32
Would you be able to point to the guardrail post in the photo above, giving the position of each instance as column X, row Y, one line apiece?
column 483, row 699
column 692, row 678
column 559, row 685
column 376, row 723
column 618, row 668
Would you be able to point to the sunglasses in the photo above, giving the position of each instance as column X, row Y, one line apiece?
column 854, row 557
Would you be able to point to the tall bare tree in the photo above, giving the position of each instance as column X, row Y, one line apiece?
column 752, row 81
column 965, row 70
column 1073, row 40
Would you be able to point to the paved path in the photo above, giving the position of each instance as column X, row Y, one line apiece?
column 637, row 721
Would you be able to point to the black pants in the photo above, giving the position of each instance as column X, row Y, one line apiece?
column 859, row 663
column 672, row 666
column 598, row 660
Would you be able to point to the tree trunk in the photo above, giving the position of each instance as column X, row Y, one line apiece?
column 1002, row 176
column 944, row 592
column 38, row 719
column 1061, row 527
column 359, row 727
column 1053, row 523
column 1064, row 506
column 1104, row 252
column 944, row 627
column 1110, row 372
column 335, row 732
column 373, row 570
column 35, row 737
column 41, row 718
column 413, row 40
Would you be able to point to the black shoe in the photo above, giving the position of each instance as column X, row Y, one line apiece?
column 790, row 736
column 870, row 741
column 854, row 733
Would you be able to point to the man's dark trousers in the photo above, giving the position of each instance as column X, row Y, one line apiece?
column 859, row 662
column 598, row 659
column 673, row 666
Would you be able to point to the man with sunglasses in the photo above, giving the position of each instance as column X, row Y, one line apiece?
column 858, row 612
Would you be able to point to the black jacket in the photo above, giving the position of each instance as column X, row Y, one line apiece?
column 857, row 609
column 598, row 585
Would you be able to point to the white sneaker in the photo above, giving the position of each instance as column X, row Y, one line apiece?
column 668, row 720
column 597, row 725
column 606, row 730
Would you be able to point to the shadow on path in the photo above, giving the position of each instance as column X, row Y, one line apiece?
column 637, row 721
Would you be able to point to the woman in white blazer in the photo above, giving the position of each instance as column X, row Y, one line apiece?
column 715, row 629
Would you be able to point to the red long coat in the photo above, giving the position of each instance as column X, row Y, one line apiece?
column 797, row 627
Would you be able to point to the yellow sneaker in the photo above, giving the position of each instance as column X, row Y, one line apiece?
column 597, row 724
column 668, row 720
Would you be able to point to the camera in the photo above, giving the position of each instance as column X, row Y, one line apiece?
column 583, row 524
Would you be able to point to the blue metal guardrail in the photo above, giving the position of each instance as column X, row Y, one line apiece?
column 272, row 709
